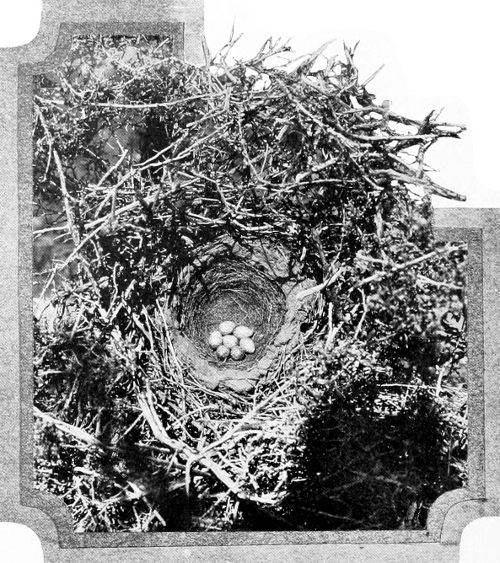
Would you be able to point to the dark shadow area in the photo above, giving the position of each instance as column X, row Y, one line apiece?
column 360, row 468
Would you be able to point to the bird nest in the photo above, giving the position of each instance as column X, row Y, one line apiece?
column 290, row 200
column 251, row 285
column 233, row 290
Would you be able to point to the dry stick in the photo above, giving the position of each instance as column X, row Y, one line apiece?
column 113, row 168
column 157, row 105
column 129, row 207
column 363, row 316
column 332, row 331
column 390, row 138
column 371, row 259
column 62, row 182
column 78, row 433
column 379, row 275
column 179, row 370
column 113, row 189
column 230, row 433
column 341, row 138
column 150, row 162
column 230, row 208
column 182, row 154
column 70, row 216
column 437, row 189
column 446, row 369
column 52, row 102
column 169, row 340
column 66, row 197
column 51, row 230
column 334, row 277
column 424, row 181
column 206, row 53
column 398, row 268
column 313, row 170
column 156, row 426
column 191, row 456
column 77, row 249
column 83, row 436
column 372, row 76
column 422, row 150
column 425, row 280
column 392, row 116
column 244, row 146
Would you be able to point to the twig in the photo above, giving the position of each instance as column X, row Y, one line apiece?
column 158, row 104
column 400, row 267
column 424, row 280
column 75, row 431
column 151, row 416
column 310, row 291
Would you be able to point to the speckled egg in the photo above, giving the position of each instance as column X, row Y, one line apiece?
column 242, row 331
column 223, row 352
column 226, row 327
column 247, row 345
column 237, row 353
column 215, row 339
column 229, row 340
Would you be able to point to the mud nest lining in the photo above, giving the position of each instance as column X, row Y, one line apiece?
column 236, row 291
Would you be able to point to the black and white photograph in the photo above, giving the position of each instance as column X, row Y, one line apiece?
column 243, row 320
column 255, row 308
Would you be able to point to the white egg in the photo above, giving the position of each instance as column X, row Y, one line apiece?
column 215, row 339
column 237, row 353
column 227, row 327
column 223, row 352
column 247, row 344
column 229, row 340
column 242, row 331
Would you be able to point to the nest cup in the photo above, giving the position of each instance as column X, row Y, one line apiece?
column 232, row 290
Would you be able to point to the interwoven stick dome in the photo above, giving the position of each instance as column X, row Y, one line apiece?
column 344, row 427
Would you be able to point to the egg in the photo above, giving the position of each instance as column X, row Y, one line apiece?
column 229, row 341
column 242, row 331
column 247, row 345
column 215, row 339
column 222, row 352
column 237, row 353
column 226, row 327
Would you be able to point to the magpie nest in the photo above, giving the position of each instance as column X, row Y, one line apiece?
column 356, row 413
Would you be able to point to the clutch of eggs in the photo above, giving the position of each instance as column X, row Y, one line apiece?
column 231, row 340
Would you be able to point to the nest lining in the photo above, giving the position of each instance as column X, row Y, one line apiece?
column 231, row 289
